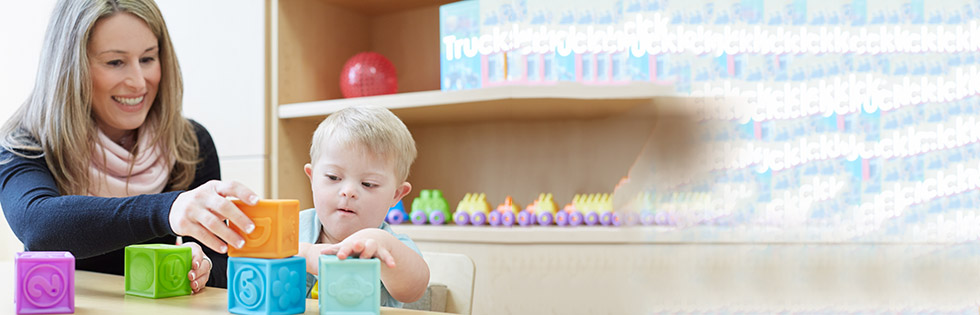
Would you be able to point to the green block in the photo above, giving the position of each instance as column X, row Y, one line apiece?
column 157, row 270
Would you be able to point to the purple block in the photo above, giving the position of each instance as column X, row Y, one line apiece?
column 45, row 283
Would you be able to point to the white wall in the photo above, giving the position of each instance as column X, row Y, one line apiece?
column 21, row 32
column 220, row 45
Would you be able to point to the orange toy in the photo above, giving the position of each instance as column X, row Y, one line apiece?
column 276, row 232
column 506, row 213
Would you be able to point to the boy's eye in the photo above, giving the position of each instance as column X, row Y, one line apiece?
column 368, row 185
column 332, row 177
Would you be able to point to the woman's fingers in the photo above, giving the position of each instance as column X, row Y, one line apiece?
column 208, row 239
column 203, row 211
column 215, row 223
column 227, row 210
column 198, row 283
column 200, row 267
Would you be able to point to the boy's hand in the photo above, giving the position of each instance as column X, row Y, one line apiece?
column 312, row 255
column 363, row 244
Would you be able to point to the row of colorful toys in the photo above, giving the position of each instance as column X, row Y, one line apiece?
column 474, row 209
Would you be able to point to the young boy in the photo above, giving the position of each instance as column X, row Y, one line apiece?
column 360, row 158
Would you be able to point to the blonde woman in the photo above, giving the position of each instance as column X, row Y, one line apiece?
column 99, row 156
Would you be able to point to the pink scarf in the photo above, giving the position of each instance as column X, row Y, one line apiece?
column 109, row 173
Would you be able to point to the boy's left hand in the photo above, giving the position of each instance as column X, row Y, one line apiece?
column 364, row 245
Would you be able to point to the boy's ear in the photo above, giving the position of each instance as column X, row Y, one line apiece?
column 308, row 168
column 401, row 192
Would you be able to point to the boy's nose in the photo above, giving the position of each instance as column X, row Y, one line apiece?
column 348, row 192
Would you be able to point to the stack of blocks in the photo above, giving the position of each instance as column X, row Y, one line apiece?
column 45, row 283
column 264, row 276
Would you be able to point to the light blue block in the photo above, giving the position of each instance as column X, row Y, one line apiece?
column 266, row 286
column 350, row 286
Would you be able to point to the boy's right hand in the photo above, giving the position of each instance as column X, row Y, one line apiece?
column 201, row 213
column 312, row 254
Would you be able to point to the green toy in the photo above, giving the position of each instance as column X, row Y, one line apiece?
column 431, row 206
column 157, row 270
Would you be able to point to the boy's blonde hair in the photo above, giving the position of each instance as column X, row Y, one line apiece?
column 379, row 130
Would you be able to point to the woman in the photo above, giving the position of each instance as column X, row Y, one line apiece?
column 99, row 156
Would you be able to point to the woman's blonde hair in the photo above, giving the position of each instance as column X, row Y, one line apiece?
column 376, row 128
column 56, row 122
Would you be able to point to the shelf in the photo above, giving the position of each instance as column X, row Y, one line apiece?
column 641, row 235
column 560, row 101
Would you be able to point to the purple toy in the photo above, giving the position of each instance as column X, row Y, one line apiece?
column 45, row 283
column 461, row 218
column 592, row 218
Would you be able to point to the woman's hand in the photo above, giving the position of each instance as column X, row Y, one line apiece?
column 200, row 268
column 201, row 214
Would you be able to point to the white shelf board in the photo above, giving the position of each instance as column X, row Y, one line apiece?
column 519, row 102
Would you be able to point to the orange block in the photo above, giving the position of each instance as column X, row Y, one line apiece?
column 276, row 232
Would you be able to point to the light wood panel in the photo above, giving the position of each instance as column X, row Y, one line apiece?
column 294, row 152
column 315, row 39
column 590, row 278
column 410, row 39
column 382, row 7
column 525, row 158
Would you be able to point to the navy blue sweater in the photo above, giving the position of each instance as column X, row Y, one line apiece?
column 95, row 229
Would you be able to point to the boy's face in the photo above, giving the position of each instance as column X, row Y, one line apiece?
column 352, row 188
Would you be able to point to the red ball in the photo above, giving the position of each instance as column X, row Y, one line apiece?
column 366, row 74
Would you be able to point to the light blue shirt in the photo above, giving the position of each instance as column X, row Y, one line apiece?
column 309, row 231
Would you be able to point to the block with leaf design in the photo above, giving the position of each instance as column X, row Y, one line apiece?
column 266, row 286
column 157, row 270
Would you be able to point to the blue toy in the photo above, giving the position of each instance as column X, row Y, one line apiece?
column 397, row 214
column 266, row 286
column 350, row 286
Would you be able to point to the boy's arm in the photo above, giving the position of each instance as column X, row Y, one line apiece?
column 407, row 279
column 312, row 258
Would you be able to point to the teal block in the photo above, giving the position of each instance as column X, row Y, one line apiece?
column 157, row 270
column 350, row 286
column 266, row 286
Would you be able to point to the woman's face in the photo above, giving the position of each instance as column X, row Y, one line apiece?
column 123, row 57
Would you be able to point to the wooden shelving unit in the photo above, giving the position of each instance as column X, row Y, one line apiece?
column 509, row 140
column 521, row 141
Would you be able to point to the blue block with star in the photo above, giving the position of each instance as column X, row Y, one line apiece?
column 266, row 286
column 349, row 286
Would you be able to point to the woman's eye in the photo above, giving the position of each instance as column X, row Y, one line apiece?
column 115, row 63
column 147, row 59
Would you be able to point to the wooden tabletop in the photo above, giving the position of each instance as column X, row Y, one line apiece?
column 97, row 293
